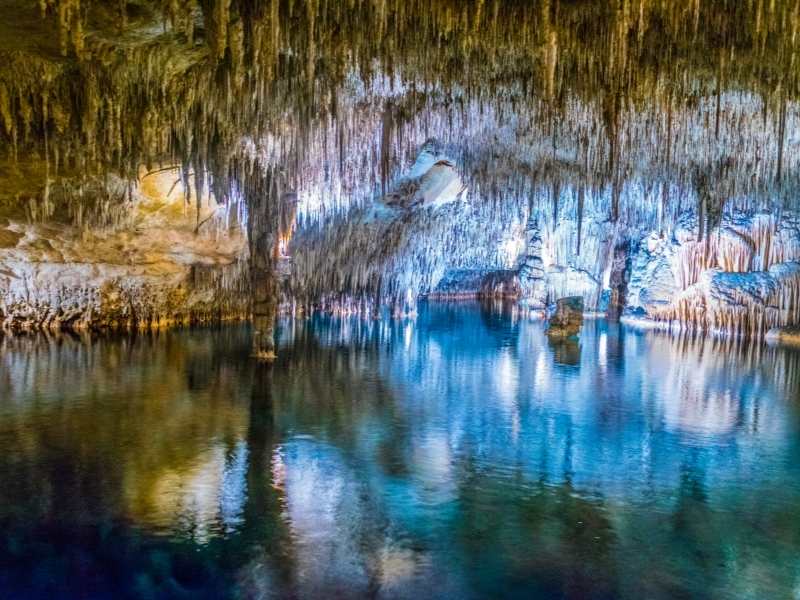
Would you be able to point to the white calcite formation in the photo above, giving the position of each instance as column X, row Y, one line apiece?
column 741, row 279
column 432, row 181
column 404, row 245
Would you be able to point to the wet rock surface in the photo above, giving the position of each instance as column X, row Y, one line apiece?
column 789, row 336
column 567, row 319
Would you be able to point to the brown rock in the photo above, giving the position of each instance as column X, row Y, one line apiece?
column 789, row 336
column 568, row 318
column 9, row 239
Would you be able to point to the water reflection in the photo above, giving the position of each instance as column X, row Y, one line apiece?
column 458, row 455
column 568, row 351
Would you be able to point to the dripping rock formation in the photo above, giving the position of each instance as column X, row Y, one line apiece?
column 172, row 162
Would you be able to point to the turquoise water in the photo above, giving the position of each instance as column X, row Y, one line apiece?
column 460, row 455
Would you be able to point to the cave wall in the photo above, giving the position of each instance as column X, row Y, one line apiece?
column 154, row 269
column 742, row 278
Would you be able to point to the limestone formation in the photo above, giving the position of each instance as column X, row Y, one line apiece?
column 152, row 272
column 742, row 280
column 567, row 319
column 532, row 275
column 784, row 335
column 501, row 285
column 622, row 152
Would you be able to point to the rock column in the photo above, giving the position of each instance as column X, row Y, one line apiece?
column 618, row 282
column 531, row 270
column 264, row 290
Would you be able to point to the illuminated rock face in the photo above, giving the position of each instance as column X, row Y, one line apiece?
column 425, row 238
column 152, row 271
column 432, row 181
column 736, row 277
column 741, row 279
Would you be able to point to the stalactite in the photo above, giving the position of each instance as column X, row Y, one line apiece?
column 581, row 192
column 387, row 131
column 229, row 23
column 556, row 195
column 276, row 85
column 781, row 140
column 719, row 93
column 739, row 305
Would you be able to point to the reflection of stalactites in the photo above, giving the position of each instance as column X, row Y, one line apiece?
column 233, row 488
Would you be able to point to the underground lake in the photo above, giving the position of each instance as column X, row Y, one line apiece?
column 462, row 454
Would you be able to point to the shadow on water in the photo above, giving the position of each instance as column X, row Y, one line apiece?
column 459, row 455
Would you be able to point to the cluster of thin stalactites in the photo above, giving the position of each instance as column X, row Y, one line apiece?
column 739, row 281
column 646, row 104
column 582, row 80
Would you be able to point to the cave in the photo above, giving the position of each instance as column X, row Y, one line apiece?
column 399, row 298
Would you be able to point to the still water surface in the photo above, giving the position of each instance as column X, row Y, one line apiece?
column 460, row 455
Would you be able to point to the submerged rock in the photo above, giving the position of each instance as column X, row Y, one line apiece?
column 567, row 319
column 566, row 351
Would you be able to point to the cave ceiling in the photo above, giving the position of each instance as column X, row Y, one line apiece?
column 332, row 99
